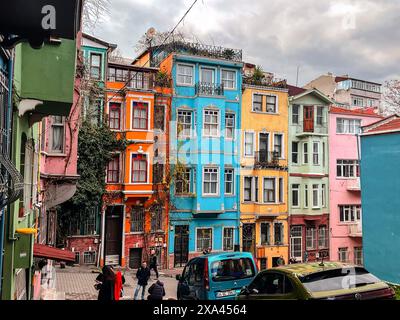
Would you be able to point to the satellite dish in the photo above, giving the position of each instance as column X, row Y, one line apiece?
column 150, row 33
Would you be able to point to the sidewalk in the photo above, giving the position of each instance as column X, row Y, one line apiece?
column 171, row 273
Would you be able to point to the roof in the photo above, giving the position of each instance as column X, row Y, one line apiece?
column 47, row 252
column 299, row 92
column 102, row 42
column 365, row 112
column 294, row 91
column 387, row 125
column 344, row 78
column 302, row 269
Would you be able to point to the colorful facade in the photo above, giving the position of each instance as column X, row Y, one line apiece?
column 264, row 173
column 344, row 183
column 134, row 217
column 380, row 188
column 308, row 174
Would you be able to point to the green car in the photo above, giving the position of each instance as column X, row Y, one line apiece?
column 316, row 281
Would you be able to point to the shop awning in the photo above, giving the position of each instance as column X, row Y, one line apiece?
column 47, row 252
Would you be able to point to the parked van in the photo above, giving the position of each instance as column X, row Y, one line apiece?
column 216, row 276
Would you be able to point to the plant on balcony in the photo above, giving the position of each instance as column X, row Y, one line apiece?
column 162, row 79
column 228, row 54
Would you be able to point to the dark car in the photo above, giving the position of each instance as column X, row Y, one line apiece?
column 320, row 281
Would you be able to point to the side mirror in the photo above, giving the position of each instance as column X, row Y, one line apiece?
column 245, row 291
column 178, row 277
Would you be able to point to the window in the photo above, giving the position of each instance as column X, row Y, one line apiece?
column 210, row 181
column 315, row 193
column 229, row 181
column 229, row 126
column 271, row 284
column 250, row 189
column 281, row 191
column 57, row 134
column 350, row 213
column 358, row 102
column 228, row 239
column 278, row 234
column 207, row 75
column 358, row 256
column 89, row 223
column 271, row 104
column 211, row 123
column 316, row 153
column 295, row 195
column 77, row 257
column 296, row 242
column 183, row 182
column 323, row 195
column 295, row 114
column 157, row 219
column 343, row 255
column 257, row 102
column 158, row 173
column 139, row 168
column 89, row 257
column 114, row 119
column 265, row 233
column 278, row 145
column 269, row 190
column 203, row 239
column 347, row 168
column 323, row 153
column 185, row 75
column 95, row 66
column 113, row 170
column 305, row 153
column 311, row 238
column 140, row 115
column 159, row 118
column 320, row 115
column 137, row 219
column 323, row 240
column 305, row 196
column 184, row 124
column 295, row 152
column 228, row 79
column 249, row 144
column 232, row 269
column 263, row 264
column 348, row 126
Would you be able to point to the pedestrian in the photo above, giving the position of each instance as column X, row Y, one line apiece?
column 105, row 284
column 280, row 261
column 119, row 285
column 143, row 276
column 157, row 291
column 153, row 262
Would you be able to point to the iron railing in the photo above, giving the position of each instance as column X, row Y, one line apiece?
column 266, row 158
column 266, row 82
column 315, row 129
column 209, row 89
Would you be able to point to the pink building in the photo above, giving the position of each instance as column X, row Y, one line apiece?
column 58, row 163
column 345, row 192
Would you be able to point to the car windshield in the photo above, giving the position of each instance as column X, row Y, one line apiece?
column 232, row 269
column 338, row 279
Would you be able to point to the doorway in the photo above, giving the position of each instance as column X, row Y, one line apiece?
column 113, row 235
column 263, row 147
column 135, row 258
column 181, row 246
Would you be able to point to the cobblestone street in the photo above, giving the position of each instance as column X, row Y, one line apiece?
column 78, row 283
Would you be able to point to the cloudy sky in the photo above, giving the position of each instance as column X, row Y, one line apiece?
column 356, row 37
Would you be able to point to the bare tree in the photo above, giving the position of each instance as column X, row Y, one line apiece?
column 93, row 12
column 391, row 98
column 159, row 37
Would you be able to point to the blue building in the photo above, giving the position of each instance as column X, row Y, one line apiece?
column 380, row 185
column 204, row 148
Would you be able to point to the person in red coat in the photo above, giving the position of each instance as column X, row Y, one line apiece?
column 118, row 286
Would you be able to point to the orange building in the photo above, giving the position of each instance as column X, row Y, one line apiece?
column 135, row 210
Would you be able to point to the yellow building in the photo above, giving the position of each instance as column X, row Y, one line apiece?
column 264, row 172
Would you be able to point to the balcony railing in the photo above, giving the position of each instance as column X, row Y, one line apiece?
column 355, row 229
column 266, row 82
column 266, row 158
column 353, row 185
column 302, row 129
column 209, row 89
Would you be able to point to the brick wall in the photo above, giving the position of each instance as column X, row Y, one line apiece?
column 83, row 244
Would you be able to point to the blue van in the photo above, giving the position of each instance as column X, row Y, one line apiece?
column 216, row 276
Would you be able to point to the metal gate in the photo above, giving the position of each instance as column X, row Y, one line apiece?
column 135, row 258
column 248, row 238
column 181, row 246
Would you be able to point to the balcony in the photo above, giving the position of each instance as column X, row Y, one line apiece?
column 209, row 89
column 354, row 185
column 355, row 229
column 310, row 129
column 266, row 159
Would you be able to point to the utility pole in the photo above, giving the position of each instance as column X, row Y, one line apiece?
column 297, row 76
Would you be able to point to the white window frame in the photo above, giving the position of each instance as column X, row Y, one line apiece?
column 234, row 88
column 149, row 115
column 355, row 165
column 351, row 123
column 304, row 153
column 254, row 144
column 191, row 112
column 298, row 153
column 217, row 194
column 218, row 123
column 264, row 99
column 298, row 195
column 323, row 195
column 148, row 167
column 178, row 74
column 325, row 244
column 344, row 251
column 292, row 238
column 318, row 206
column 282, row 157
column 231, row 114
column 232, row 182
column 347, row 213
column 275, row 189
column 306, row 196
column 318, row 144
column 276, row 103
column 268, row 243
column 212, row 236
column 253, row 193
column 312, row 238
column 64, row 131
column 214, row 74
column 281, row 191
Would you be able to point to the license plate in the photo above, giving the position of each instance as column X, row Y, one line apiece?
column 228, row 293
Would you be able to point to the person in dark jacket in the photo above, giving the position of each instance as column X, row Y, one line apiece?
column 143, row 276
column 105, row 284
column 157, row 291
column 153, row 262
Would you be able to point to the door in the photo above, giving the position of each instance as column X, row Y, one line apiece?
column 308, row 119
column 263, row 147
column 248, row 237
column 181, row 246
column 113, row 235
column 135, row 258
column 296, row 243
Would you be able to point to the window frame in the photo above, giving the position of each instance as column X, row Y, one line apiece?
column 317, row 192
column 234, row 88
column 312, row 238
column 58, row 125
column 184, row 113
column 224, row 248
column 217, row 194
column 112, row 105
column 232, row 181
column 140, row 223
column 292, row 189
column 118, row 170
column 212, row 113
column 99, row 67
column 230, row 115
column 211, row 238
column 140, row 105
column 274, row 190
column 253, row 144
column 132, row 167
column 185, row 84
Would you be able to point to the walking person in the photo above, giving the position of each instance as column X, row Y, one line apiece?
column 105, row 284
column 119, row 285
column 281, row 261
column 143, row 276
column 157, row 291
column 153, row 262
